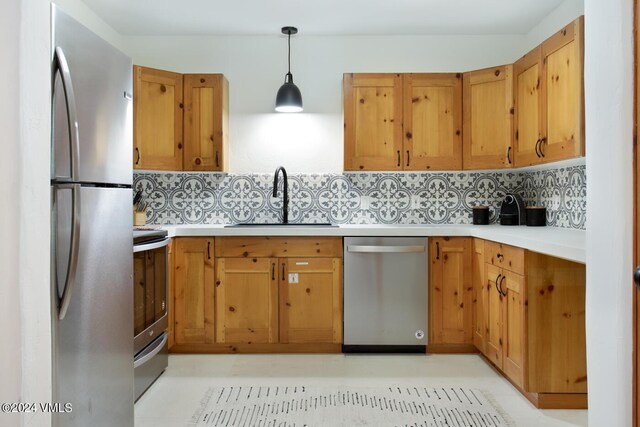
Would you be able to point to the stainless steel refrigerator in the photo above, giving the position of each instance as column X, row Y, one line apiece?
column 91, row 244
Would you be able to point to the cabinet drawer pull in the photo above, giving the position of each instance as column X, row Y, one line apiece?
column 217, row 160
column 283, row 271
column 542, row 142
column 497, row 283
column 509, row 155
column 437, row 250
column 138, row 156
column 538, row 148
column 273, row 271
column 208, row 250
column 408, row 157
column 398, row 158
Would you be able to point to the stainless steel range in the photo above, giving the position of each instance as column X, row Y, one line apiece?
column 149, row 307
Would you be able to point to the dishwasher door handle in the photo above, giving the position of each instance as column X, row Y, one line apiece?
column 386, row 249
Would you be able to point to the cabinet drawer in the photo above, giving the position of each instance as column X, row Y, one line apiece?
column 278, row 247
column 505, row 256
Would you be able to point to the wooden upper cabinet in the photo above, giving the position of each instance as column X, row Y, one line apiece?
column 310, row 300
column 450, row 291
column 246, row 300
column 432, row 118
column 529, row 117
column 206, row 122
column 372, row 122
column 562, row 75
column 488, row 118
column 157, row 119
column 194, row 290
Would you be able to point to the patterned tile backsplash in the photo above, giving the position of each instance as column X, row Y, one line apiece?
column 359, row 197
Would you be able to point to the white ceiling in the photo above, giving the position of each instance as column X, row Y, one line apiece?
column 322, row 17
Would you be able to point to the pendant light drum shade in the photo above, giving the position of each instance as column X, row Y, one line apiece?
column 289, row 98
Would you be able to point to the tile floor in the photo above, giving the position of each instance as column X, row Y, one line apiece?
column 172, row 400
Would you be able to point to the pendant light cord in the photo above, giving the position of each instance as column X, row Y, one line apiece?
column 289, row 50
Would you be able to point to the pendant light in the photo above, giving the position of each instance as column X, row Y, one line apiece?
column 289, row 99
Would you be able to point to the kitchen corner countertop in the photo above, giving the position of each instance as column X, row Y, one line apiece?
column 559, row 242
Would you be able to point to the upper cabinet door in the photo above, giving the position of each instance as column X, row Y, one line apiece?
column 206, row 122
column 372, row 122
column 157, row 119
column 562, row 75
column 432, row 122
column 488, row 118
column 529, row 111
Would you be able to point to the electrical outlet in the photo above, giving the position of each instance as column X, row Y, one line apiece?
column 293, row 278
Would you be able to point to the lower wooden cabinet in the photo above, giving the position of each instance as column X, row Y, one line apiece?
column 194, row 289
column 311, row 300
column 512, row 287
column 246, row 300
column 535, row 323
column 450, row 293
column 480, row 295
column 265, row 295
column 495, row 317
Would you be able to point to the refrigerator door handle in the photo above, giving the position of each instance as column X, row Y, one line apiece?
column 61, row 65
column 72, row 267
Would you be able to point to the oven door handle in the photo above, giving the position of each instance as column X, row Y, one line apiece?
column 151, row 246
column 151, row 353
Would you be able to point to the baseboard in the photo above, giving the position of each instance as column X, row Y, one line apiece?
column 451, row 349
column 547, row 400
column 328, row 348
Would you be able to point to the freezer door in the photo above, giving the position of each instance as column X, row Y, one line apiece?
column 101, row 78
column 385, row 291
column 93, row 343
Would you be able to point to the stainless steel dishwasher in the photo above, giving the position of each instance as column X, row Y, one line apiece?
column 385, row 294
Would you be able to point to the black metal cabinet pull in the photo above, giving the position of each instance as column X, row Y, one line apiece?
column 208, row 250
column 217, row 160
column 437, row 250
column 504, row 294
column 509, row 155
column 542, row 142
column 282, row 271
column 408, row 157
column 137, row 158
column 537, row 148
column 273, row 271
column 497, row 282
column 398, row 158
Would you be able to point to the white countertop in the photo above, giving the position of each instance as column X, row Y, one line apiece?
column 558, row 242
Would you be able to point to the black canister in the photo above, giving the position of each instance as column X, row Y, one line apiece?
column 481, row 215
column 536, row 216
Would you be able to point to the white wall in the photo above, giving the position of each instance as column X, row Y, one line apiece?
column 609, row 126
column 561, row 16
column 10, row 342
column 34, row 199
column 87, row 17
column 255, row 67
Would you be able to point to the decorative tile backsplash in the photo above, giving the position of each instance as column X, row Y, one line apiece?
column 359, row 197
column 562, row 191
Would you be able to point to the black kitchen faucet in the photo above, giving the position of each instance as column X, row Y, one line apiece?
column 285, row 192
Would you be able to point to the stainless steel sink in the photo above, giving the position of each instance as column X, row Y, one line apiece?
column 279, row 224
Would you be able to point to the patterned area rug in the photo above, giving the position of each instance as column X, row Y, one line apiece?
column 299, row 406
